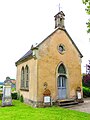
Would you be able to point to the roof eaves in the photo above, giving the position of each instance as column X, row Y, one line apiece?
column 28, row 54
column 74, row 44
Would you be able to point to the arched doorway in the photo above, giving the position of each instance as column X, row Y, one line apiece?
column 61, row 82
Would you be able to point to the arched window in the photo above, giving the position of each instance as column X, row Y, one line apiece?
column 22, row 77
column 26, row 77
column 61, row 69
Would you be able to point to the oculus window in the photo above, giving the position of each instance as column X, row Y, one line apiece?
column 61, row 48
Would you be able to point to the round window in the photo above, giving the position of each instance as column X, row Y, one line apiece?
column 61, row 49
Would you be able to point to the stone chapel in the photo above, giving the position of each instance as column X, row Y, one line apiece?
column 52, row 67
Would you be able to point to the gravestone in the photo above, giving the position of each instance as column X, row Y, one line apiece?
column 79, row 96
column 47, row 98
column 7, row 99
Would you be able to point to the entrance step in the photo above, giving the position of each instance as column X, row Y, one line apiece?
column 66, row 102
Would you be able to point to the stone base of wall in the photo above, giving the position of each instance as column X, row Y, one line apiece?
column 36, row 104
column 33, row 103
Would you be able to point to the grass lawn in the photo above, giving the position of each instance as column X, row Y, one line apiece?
column 21, row 111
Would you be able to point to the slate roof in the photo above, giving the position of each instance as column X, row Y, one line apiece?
column 29, row 53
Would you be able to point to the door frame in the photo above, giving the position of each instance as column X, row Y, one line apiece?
column 67, row 80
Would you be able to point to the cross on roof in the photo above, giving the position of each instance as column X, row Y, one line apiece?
column 59, row 7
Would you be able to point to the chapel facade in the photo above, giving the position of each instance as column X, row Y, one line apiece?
column 54, row 65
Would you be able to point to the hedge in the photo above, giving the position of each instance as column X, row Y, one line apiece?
column 14, row 95
column 0, row 96
column 86, row 92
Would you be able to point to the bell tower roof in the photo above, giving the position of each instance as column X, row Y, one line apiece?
column 59, row 20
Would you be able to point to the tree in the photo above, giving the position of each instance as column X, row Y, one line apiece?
column 86, row 80
column 86, row 77
column 87, row 3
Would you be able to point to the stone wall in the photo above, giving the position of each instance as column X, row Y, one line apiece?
column 32, row 92
column 50, row 59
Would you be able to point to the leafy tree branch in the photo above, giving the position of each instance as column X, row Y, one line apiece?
column 87, row 3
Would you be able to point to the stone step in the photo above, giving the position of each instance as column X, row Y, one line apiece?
column 66, row 100
column 66, row 103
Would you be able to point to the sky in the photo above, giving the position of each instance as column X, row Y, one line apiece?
column 26, row 22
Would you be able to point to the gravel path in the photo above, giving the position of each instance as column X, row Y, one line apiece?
column 83, row 107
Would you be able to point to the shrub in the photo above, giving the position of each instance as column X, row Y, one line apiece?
column 21, row 98
column 86, row 92
column 13, row 89
column 18, row 95
column 0, row 96
column 0, row 90
column 1, row 86
column 14, row 95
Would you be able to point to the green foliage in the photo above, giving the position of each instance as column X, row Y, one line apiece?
column 14, row 95
column 21, row 99
column 0, row 96
column 13, row 89
column 1, row 86
column 18, row 95
column 21, row 111
column 86, row 82
column 88, row 26
column 87, row 3
column 86, row 92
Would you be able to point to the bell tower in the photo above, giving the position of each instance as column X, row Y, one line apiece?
column 59, row 20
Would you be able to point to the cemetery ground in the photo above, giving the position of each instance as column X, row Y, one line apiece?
column 21, row 111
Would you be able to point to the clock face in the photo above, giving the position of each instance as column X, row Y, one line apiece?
column 61, row 48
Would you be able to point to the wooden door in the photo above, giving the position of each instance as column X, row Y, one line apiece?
column 61, row 84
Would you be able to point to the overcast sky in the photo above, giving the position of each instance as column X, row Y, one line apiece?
column 26, row 22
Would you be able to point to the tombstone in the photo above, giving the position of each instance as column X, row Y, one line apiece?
column 7, row 99
column 79, row 96
column 47, row 98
